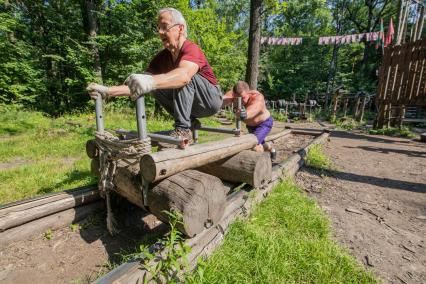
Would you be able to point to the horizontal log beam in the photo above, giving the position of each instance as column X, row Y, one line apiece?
column 157, row 166
column 18, row 215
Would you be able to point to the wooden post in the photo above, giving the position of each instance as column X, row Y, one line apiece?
column 247, row 166
column 199, row 197
column 361, row 115
column 345, row 106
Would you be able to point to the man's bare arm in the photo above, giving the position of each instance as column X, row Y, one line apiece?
column 178, row 77
column 228, row 98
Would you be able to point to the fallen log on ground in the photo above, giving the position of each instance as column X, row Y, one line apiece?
column 202, row 245
column 17, row 215
column 53, row 222
column 157, row 166
column 247, row 166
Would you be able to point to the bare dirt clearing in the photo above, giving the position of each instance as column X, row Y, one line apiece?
column 376, row 200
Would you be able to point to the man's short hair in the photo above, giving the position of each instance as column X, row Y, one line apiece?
column 177, row 18
column 240, row 87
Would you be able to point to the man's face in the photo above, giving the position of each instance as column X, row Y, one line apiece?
column 168, row 31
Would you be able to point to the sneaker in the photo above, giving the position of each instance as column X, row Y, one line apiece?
column 273, row 155
column 178, row 132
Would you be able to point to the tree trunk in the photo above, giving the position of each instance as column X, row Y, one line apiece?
column 91, row 27
column 331, row 73
column 252, row 69
column 199, row 197
column 247, row 166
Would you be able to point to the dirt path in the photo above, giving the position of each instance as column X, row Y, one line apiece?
column 376, row 201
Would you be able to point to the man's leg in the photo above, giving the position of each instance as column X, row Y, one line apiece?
column 199, row 98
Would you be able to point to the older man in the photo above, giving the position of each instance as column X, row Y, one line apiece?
column 254, row 114
column 179, row 76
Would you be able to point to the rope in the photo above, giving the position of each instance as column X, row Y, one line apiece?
column 111, row 150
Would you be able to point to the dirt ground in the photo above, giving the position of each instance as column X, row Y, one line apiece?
column 81, row 255
column 375, row 198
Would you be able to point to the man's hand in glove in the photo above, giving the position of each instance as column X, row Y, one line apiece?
column 140, row 84
column 95, row 90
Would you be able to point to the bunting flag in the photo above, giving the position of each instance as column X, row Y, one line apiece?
column 389, row 34
column 381, row 38
column 281, row 41
column 346, row 39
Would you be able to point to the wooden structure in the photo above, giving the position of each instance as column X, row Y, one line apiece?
column 189, row 180
column 402, row 82
column 354, row 104
column 238, row 204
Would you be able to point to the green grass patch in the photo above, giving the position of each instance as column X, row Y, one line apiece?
column 345, row 123
column 285, row 240
column 391, row 131
column 41, row 154
column 315, row 158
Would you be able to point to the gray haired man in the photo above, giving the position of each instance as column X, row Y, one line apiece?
column 179, row 76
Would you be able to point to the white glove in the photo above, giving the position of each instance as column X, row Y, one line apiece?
column 140, row 84
column 96, row 89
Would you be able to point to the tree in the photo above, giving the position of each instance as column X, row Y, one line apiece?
column 252, row 71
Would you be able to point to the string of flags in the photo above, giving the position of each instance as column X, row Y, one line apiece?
column 379, row 37
column 346, row 39
column 281, row 40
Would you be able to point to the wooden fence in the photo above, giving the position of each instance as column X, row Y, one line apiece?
column 402, row 81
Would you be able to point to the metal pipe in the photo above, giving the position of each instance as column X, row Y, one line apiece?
column 181, row 142
column 195, row 135
column 221, row 130
column 99, row 116
column 141, row 117
column 237, row 119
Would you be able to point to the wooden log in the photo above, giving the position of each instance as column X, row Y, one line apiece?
column 247, row 166
column 92, row 149
column 128, row 183
column 14, row 218
column 157, row 166
column 44, row 199
column 95, row 167
column 54, row 221
column 199, row 197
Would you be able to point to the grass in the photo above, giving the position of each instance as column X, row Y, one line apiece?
column 285, row 240
column 391, row 131
column 40, row 154
column 316, row 158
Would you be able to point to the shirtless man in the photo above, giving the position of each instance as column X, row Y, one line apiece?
column 254, row 114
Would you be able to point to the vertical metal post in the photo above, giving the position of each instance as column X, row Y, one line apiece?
column 237, row 119
column 195, row 135
column 141, row 117
column 99, row 116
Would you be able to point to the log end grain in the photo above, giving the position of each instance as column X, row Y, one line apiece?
column 199, row 197
column 92, row 150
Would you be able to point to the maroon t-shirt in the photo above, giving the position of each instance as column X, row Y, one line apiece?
column 163, row 61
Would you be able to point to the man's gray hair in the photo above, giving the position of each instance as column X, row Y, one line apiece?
column 177, row 18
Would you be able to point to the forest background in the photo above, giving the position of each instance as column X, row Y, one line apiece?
column 50, row 50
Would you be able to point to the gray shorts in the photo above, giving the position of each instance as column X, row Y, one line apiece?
column 199, row 98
